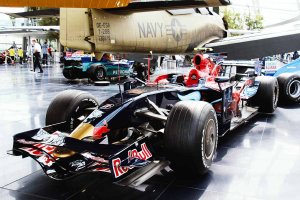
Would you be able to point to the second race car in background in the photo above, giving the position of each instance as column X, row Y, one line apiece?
column 288, row 75
column 86, row 66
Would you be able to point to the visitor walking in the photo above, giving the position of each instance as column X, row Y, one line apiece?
column 45, row 53
column 36, row 55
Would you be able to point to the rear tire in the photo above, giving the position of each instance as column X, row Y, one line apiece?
column 70, row 106
column 267, row 95
column 289, row 85
column 71, row 73
column 191, row 137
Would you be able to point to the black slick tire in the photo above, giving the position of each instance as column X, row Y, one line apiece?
column 70, row 106
column 289, row 85
column 267, row 94
column 71, row 73
column 191, row 137
column 96, row 73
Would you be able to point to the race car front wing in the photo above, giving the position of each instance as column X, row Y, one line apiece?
column 83, row 156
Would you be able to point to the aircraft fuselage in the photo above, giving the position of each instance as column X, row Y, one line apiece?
column 97, row 30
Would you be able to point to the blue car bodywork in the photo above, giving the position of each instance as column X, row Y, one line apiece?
column 288, row 76
column 292, row 67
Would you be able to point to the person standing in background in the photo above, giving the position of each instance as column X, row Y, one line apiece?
column 295, row 55
column 36, row 55
column 50, row 50
column 7, row 57
column 12, row 54
column 45, row 53
column 20, row 54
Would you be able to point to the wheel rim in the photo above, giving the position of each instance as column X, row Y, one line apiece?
column 100, row 73
column 275, row 96
column 210, row 139
column 294, row 89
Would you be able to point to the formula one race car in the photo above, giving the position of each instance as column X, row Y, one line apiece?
column 143, row 129
column 288, row 76
column 85, row 66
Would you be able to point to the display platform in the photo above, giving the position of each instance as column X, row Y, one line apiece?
column 260, row 160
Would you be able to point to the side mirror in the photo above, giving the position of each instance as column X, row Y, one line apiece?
column 221, row 79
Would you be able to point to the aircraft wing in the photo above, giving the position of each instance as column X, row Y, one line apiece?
column 27, row 30
column 120, row 5
column 66, row 3
column 257, row 45
column 52, row 12
column 32, row 28
column 153, row 5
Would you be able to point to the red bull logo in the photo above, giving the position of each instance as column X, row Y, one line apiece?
column 119, row 170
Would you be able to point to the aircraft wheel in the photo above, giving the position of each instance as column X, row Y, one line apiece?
column 267, row 94
column 71, row 106
column 289, row 85
column 191, row 137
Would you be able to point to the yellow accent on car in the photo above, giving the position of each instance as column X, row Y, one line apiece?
column 82, row 131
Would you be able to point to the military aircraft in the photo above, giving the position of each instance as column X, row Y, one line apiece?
column 136, row 26
column 159, row 26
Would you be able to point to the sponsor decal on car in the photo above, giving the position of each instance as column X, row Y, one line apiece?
column 271, row 67
column 40, row 148
column 56, row 138
column 102, row 169
column 96, row 167
column 46, row 160
column 43, row 152
column 77, row 165
column 95, row 158
column 142, row 155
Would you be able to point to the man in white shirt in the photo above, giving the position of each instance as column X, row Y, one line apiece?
column 36, row 55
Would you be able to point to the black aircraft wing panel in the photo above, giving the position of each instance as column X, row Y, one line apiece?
column 258, row 45
column 153, row 5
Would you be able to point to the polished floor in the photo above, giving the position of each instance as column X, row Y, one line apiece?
column 261, row 160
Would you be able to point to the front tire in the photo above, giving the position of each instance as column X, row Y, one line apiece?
column 289, row 85
column 70, row 106
column 191, row 137
column 97, row 73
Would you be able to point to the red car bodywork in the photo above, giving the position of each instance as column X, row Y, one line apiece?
column 207, row 70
